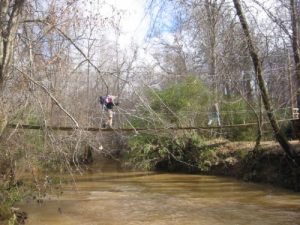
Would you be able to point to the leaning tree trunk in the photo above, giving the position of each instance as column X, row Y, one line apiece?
column 259, row 77
column 10, row 11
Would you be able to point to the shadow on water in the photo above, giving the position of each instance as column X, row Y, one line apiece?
column 109, row 195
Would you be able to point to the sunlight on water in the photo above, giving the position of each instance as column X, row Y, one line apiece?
column 113, row 198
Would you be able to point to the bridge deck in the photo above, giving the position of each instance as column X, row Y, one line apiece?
column 69, row 128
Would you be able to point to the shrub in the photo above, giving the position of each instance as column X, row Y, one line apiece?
column 177, row 104
column 180, row 154
column 238, row 112
column 8, row 197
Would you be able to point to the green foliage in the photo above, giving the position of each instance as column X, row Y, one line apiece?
column 26, row 115
column 178, row 96
column 181, row 98
column 12, row 195
column 187, row 153
column 185, row 103
column 34, row 120
column 177, row 103
column 8, row 197
column 13, row 220
column 5, row 212
column 238, row 112
column 142, row 151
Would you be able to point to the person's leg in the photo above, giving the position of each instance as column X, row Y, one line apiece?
column 110, row 118
column 107, row 119
column 209, row 122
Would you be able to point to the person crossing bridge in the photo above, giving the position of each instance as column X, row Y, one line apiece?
column 108, row 102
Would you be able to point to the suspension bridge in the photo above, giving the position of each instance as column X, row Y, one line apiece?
column 110, row 140
column 133, row 129
column 293, row 117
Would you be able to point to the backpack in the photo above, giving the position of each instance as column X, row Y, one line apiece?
column 102, row 100
column 106, row 102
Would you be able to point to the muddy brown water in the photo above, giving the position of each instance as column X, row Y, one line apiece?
column 109, row 196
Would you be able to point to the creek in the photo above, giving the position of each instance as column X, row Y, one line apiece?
column 109, row 196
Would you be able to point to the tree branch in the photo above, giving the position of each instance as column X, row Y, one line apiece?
column 50, row 94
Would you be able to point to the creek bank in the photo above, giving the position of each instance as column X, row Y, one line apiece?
column 221, row 157
column 266, row 165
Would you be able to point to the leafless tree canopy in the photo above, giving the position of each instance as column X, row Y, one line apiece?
column 58, row 57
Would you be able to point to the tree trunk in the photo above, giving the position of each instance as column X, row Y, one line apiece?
column 211, row 14
column 9, row 20
column 295, row 45
column 264, row 94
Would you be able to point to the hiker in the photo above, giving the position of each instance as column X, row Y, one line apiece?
column 215, row 115
column 108, row 103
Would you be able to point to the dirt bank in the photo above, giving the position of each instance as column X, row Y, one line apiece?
column 267, row 165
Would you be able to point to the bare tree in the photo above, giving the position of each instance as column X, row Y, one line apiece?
column 10, row 12
column 295, row 44
column 259, row 76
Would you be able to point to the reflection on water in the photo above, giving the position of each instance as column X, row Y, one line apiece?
column 131, row 198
